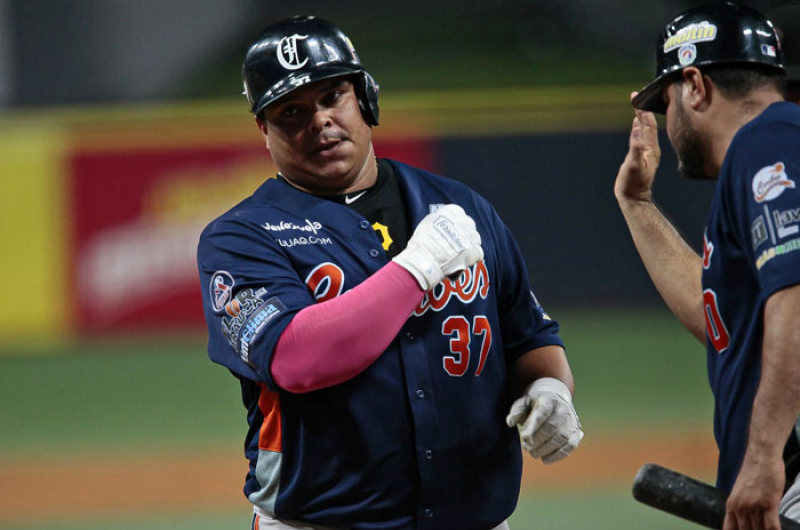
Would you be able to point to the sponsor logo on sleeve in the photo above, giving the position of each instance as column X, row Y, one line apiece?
column 770, row 182
column 778, row 250
column 220, row 289
column 256, row 324
column 247, row 316
column 758, row 231
column 786, row 221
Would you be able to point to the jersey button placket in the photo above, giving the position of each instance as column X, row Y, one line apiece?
column 363, row 225
column 374, row 252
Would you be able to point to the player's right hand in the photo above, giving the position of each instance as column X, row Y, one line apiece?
column 754, row 501
column 638, row 170
column 445, row 242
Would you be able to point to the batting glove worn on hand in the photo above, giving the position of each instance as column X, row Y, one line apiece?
column 548, row 424
column 445, row 242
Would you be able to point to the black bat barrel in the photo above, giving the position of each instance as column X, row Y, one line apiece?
column 685, row 497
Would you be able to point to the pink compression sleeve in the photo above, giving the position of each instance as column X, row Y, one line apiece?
column 333, row 341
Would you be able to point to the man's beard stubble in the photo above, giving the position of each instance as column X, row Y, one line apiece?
column 688, row 145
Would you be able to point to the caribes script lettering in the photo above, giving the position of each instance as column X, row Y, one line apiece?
column 472, row 283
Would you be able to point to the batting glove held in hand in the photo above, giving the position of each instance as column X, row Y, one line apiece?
column 445, row 242
column 548, row 424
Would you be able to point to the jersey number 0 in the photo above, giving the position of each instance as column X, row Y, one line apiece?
column 715, row 327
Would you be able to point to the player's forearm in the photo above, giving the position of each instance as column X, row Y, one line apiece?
column 333, row 341
column 547, row 361
column 673, row 266
column 777, row 401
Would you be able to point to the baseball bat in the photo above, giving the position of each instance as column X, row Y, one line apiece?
column 685, row 497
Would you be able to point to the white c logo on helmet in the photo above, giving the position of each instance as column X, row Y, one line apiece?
column 287, row 52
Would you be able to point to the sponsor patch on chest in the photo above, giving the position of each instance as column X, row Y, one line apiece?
column 297, row 234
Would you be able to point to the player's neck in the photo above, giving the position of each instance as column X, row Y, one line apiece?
column 732, row 115
column 367, row 175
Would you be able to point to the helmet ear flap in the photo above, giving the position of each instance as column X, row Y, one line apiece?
column 367, row 90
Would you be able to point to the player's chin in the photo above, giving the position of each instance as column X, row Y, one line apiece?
column 330, row 166
column 332, row 174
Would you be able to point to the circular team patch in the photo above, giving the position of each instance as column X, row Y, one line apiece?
column 687, row 54
column 220, row 289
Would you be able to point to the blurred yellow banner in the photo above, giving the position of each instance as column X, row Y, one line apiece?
column 33, row 236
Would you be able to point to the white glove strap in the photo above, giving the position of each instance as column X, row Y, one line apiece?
column 422, row 266
column 550, row 384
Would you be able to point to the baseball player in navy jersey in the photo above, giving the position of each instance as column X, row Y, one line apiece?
column 379, row 318
column 719, row 82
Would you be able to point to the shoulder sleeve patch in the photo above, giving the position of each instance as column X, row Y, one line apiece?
column 770, row 182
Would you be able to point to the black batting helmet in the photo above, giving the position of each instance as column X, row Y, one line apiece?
column 302, row 50
column 721, row 33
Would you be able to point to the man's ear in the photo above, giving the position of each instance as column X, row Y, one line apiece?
column 696, row 88
column 262, row 126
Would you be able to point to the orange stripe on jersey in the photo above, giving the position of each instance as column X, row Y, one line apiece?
column 269, row 437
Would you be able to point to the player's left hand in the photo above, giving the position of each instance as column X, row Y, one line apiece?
column 638, row 171
column 756, row 495
column 548, row 424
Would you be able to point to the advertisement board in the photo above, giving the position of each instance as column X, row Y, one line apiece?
column 138, row 212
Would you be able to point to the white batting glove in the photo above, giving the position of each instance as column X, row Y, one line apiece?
column 548, row 424
column 445, row 242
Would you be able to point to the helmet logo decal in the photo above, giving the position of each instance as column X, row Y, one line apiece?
column 287, row 52
column 768, row 50
column 700, row 32
column 687, row 54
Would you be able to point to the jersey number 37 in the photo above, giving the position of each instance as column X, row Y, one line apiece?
column 461, row 334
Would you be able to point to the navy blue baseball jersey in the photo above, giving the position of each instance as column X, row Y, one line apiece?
column 418, row 440
column 750, row 252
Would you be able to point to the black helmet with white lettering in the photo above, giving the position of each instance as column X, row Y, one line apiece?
column 302, row 50
column 721, row 33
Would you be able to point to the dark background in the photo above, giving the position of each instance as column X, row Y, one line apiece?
column 554, row 189
column 89, row 51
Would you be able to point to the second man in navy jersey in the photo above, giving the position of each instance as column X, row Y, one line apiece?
column 720, row 77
